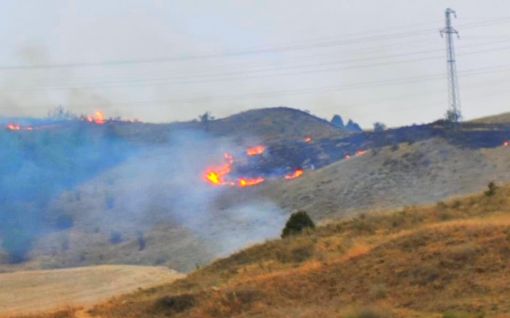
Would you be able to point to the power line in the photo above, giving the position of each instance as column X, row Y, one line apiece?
column 325, row 67
column 244, row 72
column 359, row 85
column 278, row 49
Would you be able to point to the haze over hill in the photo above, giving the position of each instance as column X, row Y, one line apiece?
column 112, row 182
column 134, row 193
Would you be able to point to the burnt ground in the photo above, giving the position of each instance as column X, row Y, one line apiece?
column 283, row 157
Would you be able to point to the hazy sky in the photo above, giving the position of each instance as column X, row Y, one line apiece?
column 370, row 60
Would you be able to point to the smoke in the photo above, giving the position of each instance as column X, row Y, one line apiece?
column 32, row 91
column 164, row 184
column 92, row 179
column 37, row 166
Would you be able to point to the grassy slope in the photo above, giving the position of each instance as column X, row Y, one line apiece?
column 496, row 119
column 415, row 262
column 421, row 173
column 271, row 124
column 264, row 124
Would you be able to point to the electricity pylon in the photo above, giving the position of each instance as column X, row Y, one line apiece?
column 454, row 113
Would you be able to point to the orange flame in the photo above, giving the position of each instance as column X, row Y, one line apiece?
column 18, row 127
column 296, row 174
column 98, row 118
column 216, row 175
column 255, row 151
column 359, row 153
column 13, row 127
column 243, row 182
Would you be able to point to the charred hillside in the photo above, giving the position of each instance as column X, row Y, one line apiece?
column 318, row 152
column 129, row 192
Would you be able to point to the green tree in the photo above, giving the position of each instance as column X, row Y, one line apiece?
column 205, row 119
column 379, row 127
column 491, row 189
column 297, row 223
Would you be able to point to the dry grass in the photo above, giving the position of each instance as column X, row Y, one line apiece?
column 36, row 291
column 421, row 173
column 445, row 260
column 496, row 119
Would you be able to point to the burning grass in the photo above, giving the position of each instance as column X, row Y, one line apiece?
column 256, row 151
column 224, row 174
column 98, row 118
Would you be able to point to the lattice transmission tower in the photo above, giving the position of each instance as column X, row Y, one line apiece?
column 449, row 33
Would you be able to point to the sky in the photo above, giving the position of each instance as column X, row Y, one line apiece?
column 161, row 61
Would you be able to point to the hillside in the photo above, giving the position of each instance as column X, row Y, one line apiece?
column 36, row 291
column 272, row 124
column 496, row 119
column 422, row 172
column 181, row 222
column 443, row 260
column 72, row 184
column 260, row 125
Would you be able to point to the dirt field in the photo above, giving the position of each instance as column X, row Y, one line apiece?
column 37, row 291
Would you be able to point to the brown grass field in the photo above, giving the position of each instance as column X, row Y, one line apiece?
column 48, row 290
column 448, row 260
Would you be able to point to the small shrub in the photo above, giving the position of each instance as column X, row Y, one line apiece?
column 379, row 127
column 442, row 205
column 175, row 304
column 456, row 204
column 444, row 215
column 297, row 223
column 491, row 189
